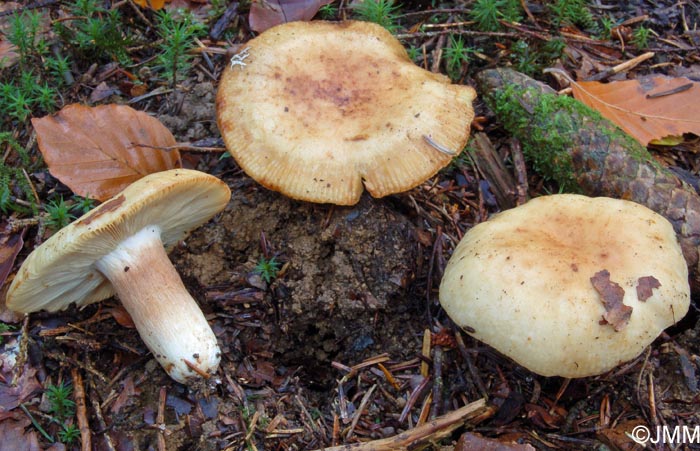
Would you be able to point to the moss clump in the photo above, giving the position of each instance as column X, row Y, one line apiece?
column 557, row 130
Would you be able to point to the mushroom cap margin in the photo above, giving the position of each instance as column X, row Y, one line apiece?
column 61, row 270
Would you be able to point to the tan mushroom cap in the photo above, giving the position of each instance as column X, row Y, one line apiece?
column 62, row 270
column 317, row 108
column 521, row 282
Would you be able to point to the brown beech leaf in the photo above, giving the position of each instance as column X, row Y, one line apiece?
column 645, row 285
column 648, row 109
column 8, row 54
column 122, row 317
column 152, row 4
column 97, row 151
column 616, row 313
column 10, row 245
column 266, row 14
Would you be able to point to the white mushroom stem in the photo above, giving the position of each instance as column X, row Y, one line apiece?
column 166, row 316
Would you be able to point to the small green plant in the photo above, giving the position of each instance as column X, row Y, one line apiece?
column 607, row 24
column 572, row 12
column 82, row 205
column 13, row 180
column 267, row 268
column 328, row 11
column 4, row 328
column 382, row 12
column 414, row 53
column 59, row 214
column 488, row 13
column 640, row 37
column 61, row 407
column 177, row 35
column 68, row 433
column 95, row 31
column 456, row 55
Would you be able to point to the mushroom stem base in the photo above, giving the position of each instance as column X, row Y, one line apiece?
column 166, row 316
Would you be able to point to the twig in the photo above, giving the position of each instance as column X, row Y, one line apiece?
column 437, row 382
column 358, row 413
column 494, row 171
column 160, row 417
column 183, row 146
column 36, row 423
column 425, row 350
column 101, row 421
column 627, row 65
column 521, row 188
column 412, row 398
column 432, row 430
column 81, row 410
column 470, row 365
column 428, row 34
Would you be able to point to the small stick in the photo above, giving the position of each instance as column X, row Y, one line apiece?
column 183, row 146
column 424, row 370
column 412, row 398
column 430, row 431
column 81, row 410
column 521, row 188
column 160, row 417
column 101, row 421
column 470, row 365
column 196, row 369
column 358, row 413
column 627, row 65
column 437, row 382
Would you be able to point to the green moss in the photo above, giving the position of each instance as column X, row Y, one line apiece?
column 550, row 128
column 543, row 134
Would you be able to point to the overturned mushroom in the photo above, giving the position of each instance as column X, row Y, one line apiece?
column 316, row 109
column 568, row 285
column 120, row 247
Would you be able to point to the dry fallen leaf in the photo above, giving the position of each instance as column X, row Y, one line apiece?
column 645, row 285
column 648, row 109
column 10, row 245
column 152, row 4
column 612, row 295
column 8, row 54
column 97, row 151
column 266, row 14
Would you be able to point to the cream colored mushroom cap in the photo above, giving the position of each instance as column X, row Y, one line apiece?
column 317, row 108
column 521, row 282
column 62, row 270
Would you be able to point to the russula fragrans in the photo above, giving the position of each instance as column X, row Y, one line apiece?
column 120, row 247
column 316, row 109
column 568, row 285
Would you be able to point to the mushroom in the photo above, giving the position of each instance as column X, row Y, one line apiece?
column 120, row 247
column 315, row 109
column 568, row 285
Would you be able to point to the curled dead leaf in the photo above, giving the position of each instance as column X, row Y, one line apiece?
column 266, row 14
column 617, row 314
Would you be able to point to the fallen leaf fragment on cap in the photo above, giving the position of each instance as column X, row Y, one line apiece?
column 617, row 314
column 645, row 285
